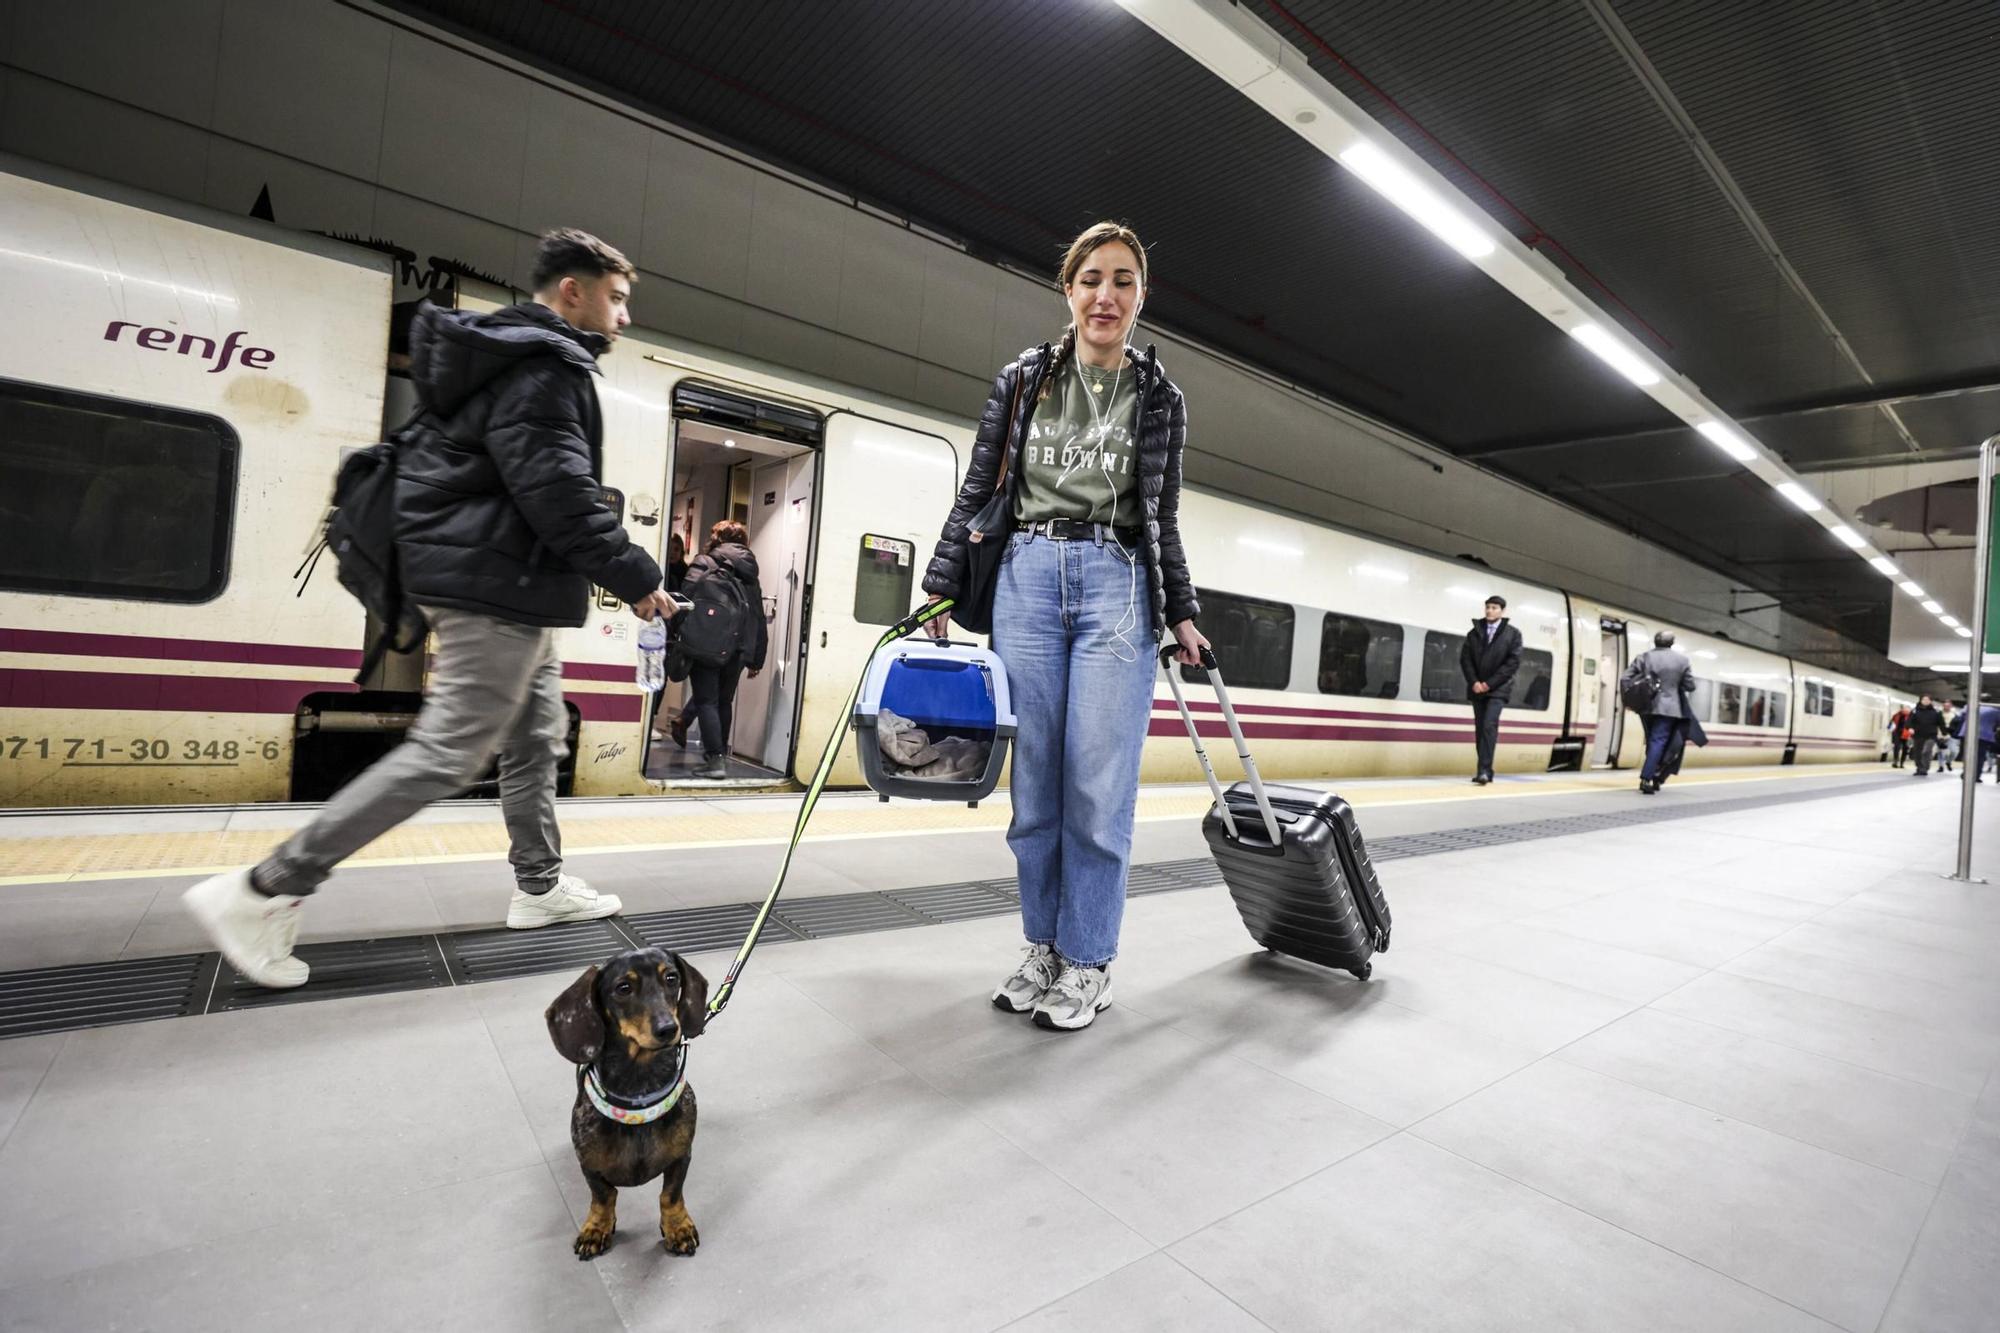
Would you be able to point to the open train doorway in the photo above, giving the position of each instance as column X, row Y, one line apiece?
column 1610, row 708
column 740, row 460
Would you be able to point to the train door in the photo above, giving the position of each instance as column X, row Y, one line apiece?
column 737, row 458
column 1610, row 712
column 780, row 524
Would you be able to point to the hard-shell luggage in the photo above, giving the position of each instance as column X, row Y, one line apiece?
column 1292, row 857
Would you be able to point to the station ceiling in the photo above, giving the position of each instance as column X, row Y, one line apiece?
column 1796, row 204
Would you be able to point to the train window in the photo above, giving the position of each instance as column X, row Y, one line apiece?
column 1701, row 700
column 1442, row 682
column 105, row 498
column 1755, row 703
column 1360, row 657
column 1812, row 698
column 1252, row 639
column 1531, row 682
column 1729, row 701
column 1827, row 696
column 882, row 579
column 1775, row 717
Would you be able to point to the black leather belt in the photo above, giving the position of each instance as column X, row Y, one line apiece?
column 1076, row 530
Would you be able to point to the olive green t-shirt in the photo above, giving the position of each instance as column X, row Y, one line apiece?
column 1080, row 458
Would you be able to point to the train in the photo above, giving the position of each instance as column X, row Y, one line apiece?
column 179, row 386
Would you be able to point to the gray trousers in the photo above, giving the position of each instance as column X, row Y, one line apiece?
column 497, row 687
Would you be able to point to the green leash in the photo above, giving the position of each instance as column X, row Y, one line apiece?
column 902, row 629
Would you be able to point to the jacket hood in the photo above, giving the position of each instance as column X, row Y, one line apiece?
column 733, row 558
column 456, row 353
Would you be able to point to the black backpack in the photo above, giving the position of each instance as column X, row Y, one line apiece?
column 361, row 533
column 1641, row 687
column 711, row 631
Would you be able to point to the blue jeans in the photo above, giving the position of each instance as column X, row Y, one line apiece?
column 1073, row 622
column 1660, row 732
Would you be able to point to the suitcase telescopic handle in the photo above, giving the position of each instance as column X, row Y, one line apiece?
column 1209, row 666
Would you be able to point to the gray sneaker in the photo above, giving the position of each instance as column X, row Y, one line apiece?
column 1021, row 992
column 1078, row 996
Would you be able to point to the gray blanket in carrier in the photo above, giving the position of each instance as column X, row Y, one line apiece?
column 909, row 752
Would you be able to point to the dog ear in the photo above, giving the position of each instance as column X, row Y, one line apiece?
column 575, row 1024
column 693, row 1007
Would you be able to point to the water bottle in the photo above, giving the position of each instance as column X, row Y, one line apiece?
column 651, row 673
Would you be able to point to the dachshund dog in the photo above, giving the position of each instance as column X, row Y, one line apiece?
column 625, row 1026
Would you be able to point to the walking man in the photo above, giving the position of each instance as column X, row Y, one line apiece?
column 1667, row 717
column 1489, row 659
column 1925, row 725
column 501, row 530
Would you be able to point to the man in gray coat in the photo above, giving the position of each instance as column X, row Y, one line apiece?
column 1667, row 715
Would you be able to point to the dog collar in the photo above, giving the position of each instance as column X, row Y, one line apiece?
column 625, row 1110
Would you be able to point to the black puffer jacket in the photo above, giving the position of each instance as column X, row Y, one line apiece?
column 1162, row 435
column 499, row 505
column 732, row 560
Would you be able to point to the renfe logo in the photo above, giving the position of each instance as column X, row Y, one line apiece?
column 163, row 340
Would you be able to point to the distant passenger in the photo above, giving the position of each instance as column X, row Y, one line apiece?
column 712, row 685
column 1899, row 736
column 1926, row 724
column 1989, row 742
column 1488, row 660
column 1953, row 728
column 1089, row 436
column 502, row 529
column 1669, row 719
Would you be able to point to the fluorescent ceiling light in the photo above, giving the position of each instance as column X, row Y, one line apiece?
column 1728, row 441
column 1848, row 537
column 1887, row 566
column 1910, row 586
column 1934, row 608
column 1382, row 572
column 1949, row 622
column 1962, row 632
column 1799, row 496
column 1615, row 354
column 1422, row 203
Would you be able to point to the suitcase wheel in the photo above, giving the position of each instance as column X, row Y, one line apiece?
column 1365, row 971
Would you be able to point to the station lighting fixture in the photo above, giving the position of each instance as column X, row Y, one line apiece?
column 1933, row 608
column 1800, row 496
column 1411, row 195
column 1910, row 586
column 1734, row 445
column 1949, row 622
column 1266, row 67
column 1961, row 631
column 1848, row 537
column 1615, row 354
column 1886, row 566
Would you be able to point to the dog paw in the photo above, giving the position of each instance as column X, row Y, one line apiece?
column 681, row 1238
column 592, row 1241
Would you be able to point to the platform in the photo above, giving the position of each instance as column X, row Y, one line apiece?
column 1718, row 1059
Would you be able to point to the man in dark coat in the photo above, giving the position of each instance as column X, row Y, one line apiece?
column 1926, row 724
column 1670, row 718
column 1489, row 659
column 501, row 530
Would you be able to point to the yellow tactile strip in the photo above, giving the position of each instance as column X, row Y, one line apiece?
column 124, row 855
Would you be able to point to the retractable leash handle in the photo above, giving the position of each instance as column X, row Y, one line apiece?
column 902, row 629
column 1209, row 665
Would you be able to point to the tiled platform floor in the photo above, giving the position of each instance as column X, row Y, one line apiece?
column 1725, row 1073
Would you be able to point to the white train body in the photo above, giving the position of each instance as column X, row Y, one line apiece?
column 178, row 389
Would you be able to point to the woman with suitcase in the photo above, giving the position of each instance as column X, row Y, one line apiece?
column 1084, row 440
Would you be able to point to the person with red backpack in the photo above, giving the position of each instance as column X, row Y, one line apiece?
column 717, row 639
column 1899, row 736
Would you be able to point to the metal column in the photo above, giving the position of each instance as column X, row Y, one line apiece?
column 1973, row 758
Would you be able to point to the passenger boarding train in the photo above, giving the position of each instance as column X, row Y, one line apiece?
column 178, row 387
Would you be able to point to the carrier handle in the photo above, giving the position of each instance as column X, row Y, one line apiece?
column 1209, row 665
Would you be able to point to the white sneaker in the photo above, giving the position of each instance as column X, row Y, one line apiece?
column 255, row 932
column 1022, row 991
column 570, row 900
column 1079, row 995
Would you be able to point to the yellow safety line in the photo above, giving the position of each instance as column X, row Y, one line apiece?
column 77, row 858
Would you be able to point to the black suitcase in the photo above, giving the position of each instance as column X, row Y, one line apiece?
column 1292, row 857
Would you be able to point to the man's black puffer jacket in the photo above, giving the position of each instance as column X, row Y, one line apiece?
column 733, row 560
column 1162, row 435
column 499, row 503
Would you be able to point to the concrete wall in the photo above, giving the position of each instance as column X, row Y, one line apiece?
column 361, row 122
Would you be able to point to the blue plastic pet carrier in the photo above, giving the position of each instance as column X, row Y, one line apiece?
column 933, row 721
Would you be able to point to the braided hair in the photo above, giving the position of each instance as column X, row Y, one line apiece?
column 1064, row 351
